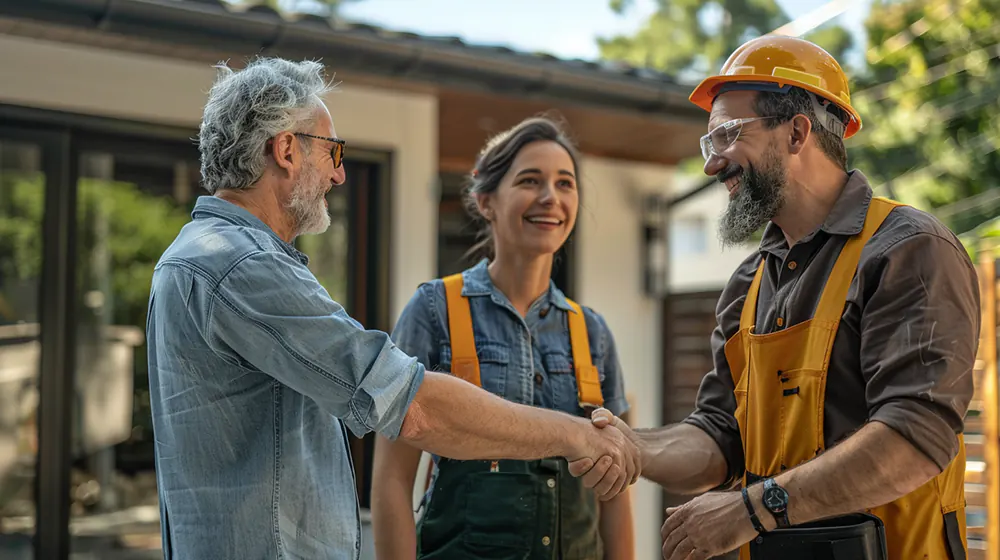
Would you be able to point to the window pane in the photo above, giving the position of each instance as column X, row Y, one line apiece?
column 688, row 236
column 22, row 196
column 328, row 252
column 132, row 202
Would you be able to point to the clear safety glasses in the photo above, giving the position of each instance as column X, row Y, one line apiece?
column 723, row 136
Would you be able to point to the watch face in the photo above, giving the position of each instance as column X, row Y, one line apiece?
column 775, row 499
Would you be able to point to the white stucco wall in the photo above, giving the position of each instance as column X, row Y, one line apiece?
column 609, row 278
column 109, row 83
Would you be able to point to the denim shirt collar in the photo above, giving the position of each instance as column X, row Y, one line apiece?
column 212, row 206
column 847, row 217
column 477, row 282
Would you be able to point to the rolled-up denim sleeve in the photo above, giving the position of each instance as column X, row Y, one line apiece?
column 415, row 332
column 270, row 312
column 919, row 335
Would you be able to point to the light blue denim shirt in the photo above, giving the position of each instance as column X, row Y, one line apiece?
column 527, row 360
column 254, row 372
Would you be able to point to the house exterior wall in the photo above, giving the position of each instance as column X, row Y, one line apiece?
column 86, row 80
column 609, row 278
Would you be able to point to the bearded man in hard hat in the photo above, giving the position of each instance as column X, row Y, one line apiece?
column 844, row 347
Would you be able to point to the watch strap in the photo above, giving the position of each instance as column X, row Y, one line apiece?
column 753, row 515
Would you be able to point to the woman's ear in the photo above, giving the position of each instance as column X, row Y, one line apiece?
column 801, row 130
column 484, row 203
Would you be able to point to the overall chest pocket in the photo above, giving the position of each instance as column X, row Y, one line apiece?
column 494, row 362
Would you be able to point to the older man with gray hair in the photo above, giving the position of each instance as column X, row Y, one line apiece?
column 255, row 371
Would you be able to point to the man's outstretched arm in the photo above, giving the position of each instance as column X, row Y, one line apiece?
column 455, row 419
column 289, row 328
column 681, row 458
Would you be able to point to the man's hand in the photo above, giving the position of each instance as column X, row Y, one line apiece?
column 707, row 526
column 584, row 466
column 617, row 465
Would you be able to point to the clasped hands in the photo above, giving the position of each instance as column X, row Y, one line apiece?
column 706, row 526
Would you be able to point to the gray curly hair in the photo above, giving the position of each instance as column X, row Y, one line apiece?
column 246, row 108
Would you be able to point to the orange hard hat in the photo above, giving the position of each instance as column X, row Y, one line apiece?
column 777, row 61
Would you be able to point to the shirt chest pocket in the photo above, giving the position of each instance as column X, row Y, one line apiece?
column 562, row 381
column 494, row 362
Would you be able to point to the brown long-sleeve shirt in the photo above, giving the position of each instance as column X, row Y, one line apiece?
column 906, row 345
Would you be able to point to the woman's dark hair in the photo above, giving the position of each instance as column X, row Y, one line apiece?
column 494, row 162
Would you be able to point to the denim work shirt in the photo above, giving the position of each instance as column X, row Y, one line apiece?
column 526, row 360
column 254, row 371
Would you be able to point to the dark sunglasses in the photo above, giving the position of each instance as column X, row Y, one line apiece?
column 336, row 152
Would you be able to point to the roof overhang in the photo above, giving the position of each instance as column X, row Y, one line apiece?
column 209, row 25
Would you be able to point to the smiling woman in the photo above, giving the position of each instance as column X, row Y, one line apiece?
column 504, row 325
column 524, row 155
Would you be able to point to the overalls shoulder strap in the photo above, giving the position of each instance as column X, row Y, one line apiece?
column 588, row 383
column 465, row 363
column 831, row 303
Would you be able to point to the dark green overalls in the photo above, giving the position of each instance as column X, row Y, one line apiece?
column 530, row 510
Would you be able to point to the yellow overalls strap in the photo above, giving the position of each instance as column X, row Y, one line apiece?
column 464, row 362
column 588, row 383
column 831, row 303
column 748, row 317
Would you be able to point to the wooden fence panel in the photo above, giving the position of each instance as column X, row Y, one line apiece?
column 982, row 473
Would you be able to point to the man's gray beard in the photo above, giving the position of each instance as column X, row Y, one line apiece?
column 760, row 196
column 306, row 204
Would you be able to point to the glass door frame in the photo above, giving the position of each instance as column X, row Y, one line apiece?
column 57, row 336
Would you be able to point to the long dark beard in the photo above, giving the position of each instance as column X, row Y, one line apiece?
column 760, row 196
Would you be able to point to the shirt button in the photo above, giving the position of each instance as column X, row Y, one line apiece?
column 792, row 265
column 538, row 378
column 546, row 541
column 781, row 322
column 551, row 482
column 543, row 312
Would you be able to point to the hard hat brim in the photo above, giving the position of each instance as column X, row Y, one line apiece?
column 704, row 94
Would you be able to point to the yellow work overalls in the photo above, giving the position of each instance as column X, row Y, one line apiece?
column 780, row 387
column 507, row 509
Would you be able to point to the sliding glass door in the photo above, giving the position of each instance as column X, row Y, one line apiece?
column 86, row 209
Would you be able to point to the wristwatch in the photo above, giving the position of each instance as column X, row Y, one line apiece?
column 775, row 500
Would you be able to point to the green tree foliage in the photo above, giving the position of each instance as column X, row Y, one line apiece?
column 115, row 218
column 929, row 101
column 929, row 91
column 692, row 38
